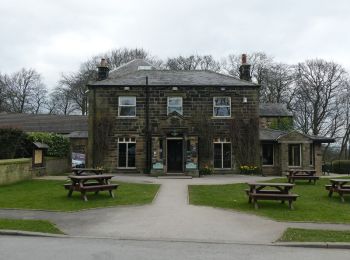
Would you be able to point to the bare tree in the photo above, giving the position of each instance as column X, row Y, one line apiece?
column 318, row 84
column 193, row 62
column 23, row 89
column 60, row 102
column 277, row 84
column 259, row 62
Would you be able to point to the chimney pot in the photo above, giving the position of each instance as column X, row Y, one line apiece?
column 103, row 70
column 244, row 58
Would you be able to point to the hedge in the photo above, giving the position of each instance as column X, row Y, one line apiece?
column 337, row 166
column 14, row 143
column 59, row 145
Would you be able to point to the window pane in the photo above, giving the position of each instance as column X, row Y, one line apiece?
column 122, row 155
column 127, row 111
column 227, row 155
column 175, row 109
column 267, row 154
column 296, row 155
column 127, row 101
column 311, row 154
column 222, row 111
column 217, row 156
column 131, row 154
column 174, row 101
column 221, row 101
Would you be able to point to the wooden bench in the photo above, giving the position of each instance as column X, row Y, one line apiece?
column 280, row 191
column 90, row 183
column 269, row 196
column 301, row 174
column 339, row 186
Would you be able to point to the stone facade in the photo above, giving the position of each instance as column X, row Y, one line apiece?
column 194, row 127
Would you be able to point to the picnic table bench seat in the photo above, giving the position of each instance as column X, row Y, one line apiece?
column 301, row 174
column 269, row 196
column 90, row 183
column 340, row 186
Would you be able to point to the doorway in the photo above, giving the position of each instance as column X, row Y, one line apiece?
column 175, row 155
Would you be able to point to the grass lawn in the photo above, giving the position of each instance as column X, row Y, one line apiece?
column 51, row 195
column 29, row 225
column 314, row 235
column 313, row 205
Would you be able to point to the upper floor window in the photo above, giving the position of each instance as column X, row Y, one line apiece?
column 175, row 105
column 127, row 106
column 222, row 107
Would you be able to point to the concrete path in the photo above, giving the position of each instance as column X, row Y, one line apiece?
column 170, row 217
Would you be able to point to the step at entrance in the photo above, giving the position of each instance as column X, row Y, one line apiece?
column 175, row 177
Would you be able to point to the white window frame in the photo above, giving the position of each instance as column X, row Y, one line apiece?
column 222, row 141
column 229, row 106
column 273, row 154
column 174, row 106
column 126, row 140
column 120, row 105
column 300, row 156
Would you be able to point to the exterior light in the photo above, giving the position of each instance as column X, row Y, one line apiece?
column 245, row 100
column 175, row 88
column 222, row 89
column 126, row 88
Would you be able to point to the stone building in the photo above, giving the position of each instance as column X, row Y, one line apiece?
column 144, row 119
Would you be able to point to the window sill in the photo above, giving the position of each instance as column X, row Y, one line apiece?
column 127, row 117
column 268, row 166
column 126, row 168
column 221, row 117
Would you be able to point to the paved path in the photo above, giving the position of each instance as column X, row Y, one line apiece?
column 170, row 217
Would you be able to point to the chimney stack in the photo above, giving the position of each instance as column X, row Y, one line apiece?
column 244, row 69
column 103, row 70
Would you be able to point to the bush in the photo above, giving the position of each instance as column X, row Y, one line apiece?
column 206, row 170
column 246, row 169
column 341, row 166
column 59, row 145
column 13, row 144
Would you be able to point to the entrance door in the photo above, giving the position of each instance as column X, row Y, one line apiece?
column 174, row 155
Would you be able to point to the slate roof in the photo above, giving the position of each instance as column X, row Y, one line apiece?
column 274, row 110
column 44, row 123
column 266, row 134
column 129, row 67
column 130, row 75
column 78, row 134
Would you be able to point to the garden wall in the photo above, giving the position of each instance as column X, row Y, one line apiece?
column 57, row 166
column 15, row 170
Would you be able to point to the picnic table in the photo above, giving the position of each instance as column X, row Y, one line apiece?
column 87, row 171
column 302, row 174
column 90, row 183
column 340, row 186
column 279, row 191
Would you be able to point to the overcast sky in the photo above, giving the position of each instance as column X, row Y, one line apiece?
column 55, row 36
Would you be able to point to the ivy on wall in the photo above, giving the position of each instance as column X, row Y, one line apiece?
column 282, row 123
column 59, row 146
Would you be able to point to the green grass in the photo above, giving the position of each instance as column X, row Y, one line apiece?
column 313, row 205
column 314, row 235
column 29, row 225
column 51, row 195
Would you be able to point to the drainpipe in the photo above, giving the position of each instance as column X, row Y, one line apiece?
column 148, row 133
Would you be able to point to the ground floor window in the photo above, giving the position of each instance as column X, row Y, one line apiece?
column 222, row 153
column 312, row 154
column 126, row 152
column 294, row 154
column 267, row 154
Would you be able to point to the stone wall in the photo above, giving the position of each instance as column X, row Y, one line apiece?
column 197, row 119
column 57, row 166
column 15, row 170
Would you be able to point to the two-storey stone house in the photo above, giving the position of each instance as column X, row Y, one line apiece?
column 143, row 119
